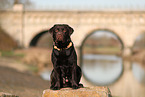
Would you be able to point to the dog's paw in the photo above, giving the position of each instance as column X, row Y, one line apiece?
column 75, row 87
column 81, row 86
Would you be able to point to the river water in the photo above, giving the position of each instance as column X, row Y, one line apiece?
column 124, row 78
column 102, row 69
column 106, row 69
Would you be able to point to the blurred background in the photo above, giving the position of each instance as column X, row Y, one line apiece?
column 109, row 37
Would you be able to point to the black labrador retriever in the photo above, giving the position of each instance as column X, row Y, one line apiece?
column 66, row 72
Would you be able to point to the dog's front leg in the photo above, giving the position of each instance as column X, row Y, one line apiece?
column 55, row 76
column 74, row 77
column 55, row 79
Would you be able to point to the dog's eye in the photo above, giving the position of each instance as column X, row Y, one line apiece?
column 64, row 30
column 56, row 30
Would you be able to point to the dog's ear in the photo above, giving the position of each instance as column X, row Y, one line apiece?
column 51, row 30
column 71, row 30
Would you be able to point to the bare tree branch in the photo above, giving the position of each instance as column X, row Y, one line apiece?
column 8, row 4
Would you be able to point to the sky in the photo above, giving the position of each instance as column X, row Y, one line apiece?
column 89, row 4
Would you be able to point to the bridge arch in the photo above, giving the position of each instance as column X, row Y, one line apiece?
column 139, row 42
column 107, row 30
column 89, row 61
column 45, row 42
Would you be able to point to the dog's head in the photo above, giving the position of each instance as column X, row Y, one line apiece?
column 61, row 33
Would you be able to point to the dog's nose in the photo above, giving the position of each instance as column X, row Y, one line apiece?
column 59, row 33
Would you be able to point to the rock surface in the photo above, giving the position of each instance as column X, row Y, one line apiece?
column 2, row 94
column 82, row 92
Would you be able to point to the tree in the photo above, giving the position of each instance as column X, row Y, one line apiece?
column 8, row 4
column 6, row 41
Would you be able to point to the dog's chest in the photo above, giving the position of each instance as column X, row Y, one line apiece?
column 62, row 53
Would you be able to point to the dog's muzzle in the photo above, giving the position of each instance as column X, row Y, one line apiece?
column 59, row 37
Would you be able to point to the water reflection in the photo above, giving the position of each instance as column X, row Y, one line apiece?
column 138, row 72
column 102, row 69
column 45, row 74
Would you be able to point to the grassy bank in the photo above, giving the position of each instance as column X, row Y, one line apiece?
column 102, row 50
column 10, row 54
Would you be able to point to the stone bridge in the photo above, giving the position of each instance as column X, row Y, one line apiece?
column 23, row 26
